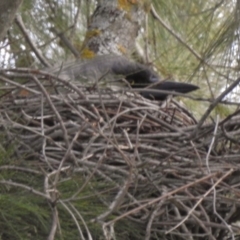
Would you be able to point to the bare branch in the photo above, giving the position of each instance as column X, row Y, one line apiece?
column 8, row 11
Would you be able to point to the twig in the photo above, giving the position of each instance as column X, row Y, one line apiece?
column 214, row 104
column 201, row 199
column 30, row 189
column 35, row 49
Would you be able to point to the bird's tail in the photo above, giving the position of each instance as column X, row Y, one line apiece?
column 154, row 93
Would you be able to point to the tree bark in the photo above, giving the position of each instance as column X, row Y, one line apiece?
column 113, row 28
column 8, row 9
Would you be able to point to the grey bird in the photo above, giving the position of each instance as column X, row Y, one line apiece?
column 114, row 68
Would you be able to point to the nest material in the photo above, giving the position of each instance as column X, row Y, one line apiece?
column 165, row 175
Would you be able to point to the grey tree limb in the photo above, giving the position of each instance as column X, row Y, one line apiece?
column 8, row 11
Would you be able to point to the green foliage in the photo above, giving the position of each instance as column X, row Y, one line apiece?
column 200, row 43
column 23, row 216
column 29, row 216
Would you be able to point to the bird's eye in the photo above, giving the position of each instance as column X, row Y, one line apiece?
column 153, row 78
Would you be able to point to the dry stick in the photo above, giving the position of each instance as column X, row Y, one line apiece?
column 127, row 160
column 44, row 142
column 197, row 154
column 202, row 198
column 117, row 200
column 32, row 45
column 30, row 189
column 52, row 233
column 184, row 227
column 90, row 176
column 108, row 233
column 62, row 35
column 8, row 81
column 101, row 192
column 66, row 41
column 209, row 171
column 64, row 158
column 199, row 221
column 202, row 224
column 47, row 189
column 136, row 152
column 15, row 124
column 211, row 145
column 7, row 167
column 213, row 105
column 138, row 109
column 161, row 198
column 229, row 136
column 128, row 139
column 30, row 129
column 74, row 219
column 45, row 74
column 123, row 191
column 230, row 116
column 84, row 223
column 150, row 222
column 65, row 134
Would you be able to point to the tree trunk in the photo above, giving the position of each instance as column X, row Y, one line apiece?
column 113, row 28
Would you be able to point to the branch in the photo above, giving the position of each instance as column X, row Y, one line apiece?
column 8, row 11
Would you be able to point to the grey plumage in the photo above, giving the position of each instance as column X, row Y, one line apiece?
column 114, row 68
column 110, row 66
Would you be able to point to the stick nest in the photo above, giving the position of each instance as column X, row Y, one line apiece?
column 147, row 163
